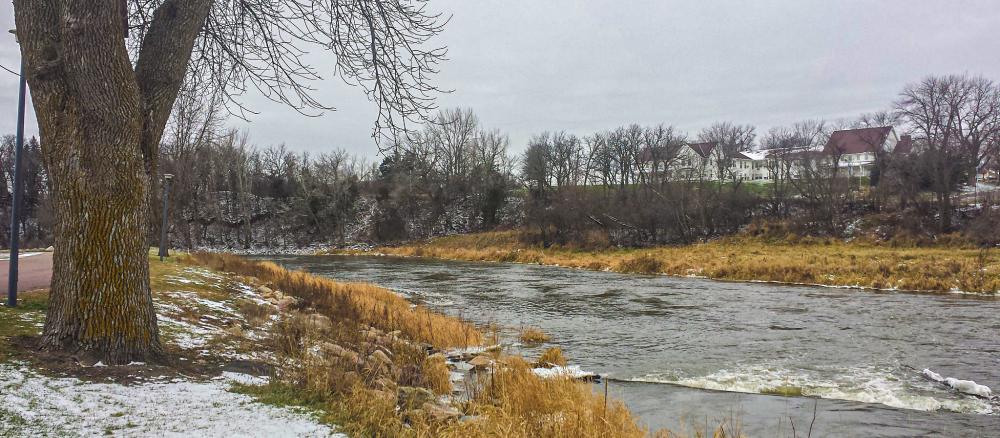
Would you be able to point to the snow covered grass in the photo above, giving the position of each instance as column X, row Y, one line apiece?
column 828, row 262
column 205, row 320
column 25, row 319
column 208, row 313
column 36, row 405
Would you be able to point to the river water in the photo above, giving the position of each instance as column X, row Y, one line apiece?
column 686, row 352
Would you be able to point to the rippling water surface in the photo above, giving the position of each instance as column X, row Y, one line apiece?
column 692, row 351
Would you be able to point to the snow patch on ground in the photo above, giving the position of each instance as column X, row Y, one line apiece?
column 35, row 405
column 187, row 335
column 243, row 379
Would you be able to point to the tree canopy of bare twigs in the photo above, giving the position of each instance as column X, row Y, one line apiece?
column 384, row 46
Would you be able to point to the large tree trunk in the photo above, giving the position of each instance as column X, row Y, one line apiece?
column 100, row 300
column 100, row 123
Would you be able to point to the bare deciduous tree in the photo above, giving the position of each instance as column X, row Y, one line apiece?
column 103, row 103
column 957, row 119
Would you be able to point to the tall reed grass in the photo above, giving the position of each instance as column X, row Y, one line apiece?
column 365, row 303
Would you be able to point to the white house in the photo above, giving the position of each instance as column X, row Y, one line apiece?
column 858, row 149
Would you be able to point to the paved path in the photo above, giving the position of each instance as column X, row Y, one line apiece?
column 34, row 271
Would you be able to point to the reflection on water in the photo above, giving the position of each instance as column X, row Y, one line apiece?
column 692, row 351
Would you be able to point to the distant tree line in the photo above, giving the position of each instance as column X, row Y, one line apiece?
column 607, row 188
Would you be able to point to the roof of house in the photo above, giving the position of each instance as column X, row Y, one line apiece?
column 658, row 152
column 703, row 149
column 754, row 155
column 857, row 141
column 904, row 145
column 742, row 156
column 796, row 154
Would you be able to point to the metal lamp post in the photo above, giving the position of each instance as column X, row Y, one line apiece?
column 15, row 212
column 166, row 205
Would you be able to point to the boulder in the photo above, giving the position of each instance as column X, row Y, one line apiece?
column 460, row 366
column 336, row 352
column 285, row 303
column 386, row 384
column 387, row 395
column 316, row 322
column 480, row 362
column 441, row 413
column 379, row 356
column 411, row 397
column 372, row 335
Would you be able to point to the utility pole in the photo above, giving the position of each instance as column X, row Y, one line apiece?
column 15, row 211
column 163, row 227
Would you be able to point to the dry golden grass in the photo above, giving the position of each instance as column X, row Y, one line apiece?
column 552, row 356
column 436, row 375
column 517, row 403
column 365, row 303
column 533, row 335
column 509, row 401
column 804, row 260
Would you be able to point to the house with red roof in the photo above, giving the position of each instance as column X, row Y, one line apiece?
column 857, row 150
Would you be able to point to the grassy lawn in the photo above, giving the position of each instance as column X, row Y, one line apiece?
column 24, row 320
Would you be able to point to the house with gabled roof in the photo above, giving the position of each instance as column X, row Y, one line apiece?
column 858, row 149
column 705, row 161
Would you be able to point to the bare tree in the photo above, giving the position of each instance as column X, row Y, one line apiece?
column 956, row 120
column 729, row 140
column 103, row 103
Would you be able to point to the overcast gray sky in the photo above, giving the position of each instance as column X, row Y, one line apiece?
column 527, row 66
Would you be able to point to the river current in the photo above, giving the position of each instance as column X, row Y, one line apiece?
column 684, row 352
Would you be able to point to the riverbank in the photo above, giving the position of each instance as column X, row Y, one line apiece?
column 288, row 346
column 827, row 262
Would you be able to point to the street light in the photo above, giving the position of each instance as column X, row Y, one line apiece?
column 15, row 210
column 163, row 227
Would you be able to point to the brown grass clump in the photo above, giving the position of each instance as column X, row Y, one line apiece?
column 551, row 357
column 437, row 376
column 517, row 403
column 640, row 264
column 365, row 303
column 532, row 335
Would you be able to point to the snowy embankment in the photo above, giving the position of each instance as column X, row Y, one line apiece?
column 36, row 405
column 204, row 322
